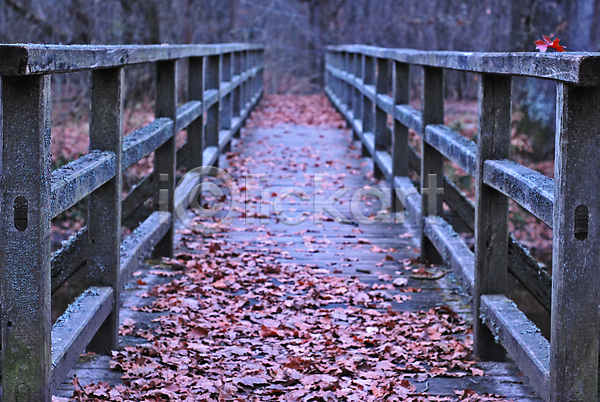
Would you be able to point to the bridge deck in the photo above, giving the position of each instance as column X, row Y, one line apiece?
column 297, row 312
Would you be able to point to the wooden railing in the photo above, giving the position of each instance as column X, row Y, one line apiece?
column 224, row 84
column 359, row 85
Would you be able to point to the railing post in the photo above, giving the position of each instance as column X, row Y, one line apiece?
column 25, row 247
column 244, row 86
column 261, row 61
column 491, row 211
column 226, row 109
column 347, row 68
column 212, row 113
column 253, row 79
column 337, row 83
column 401, row 94
column 432, row 162
column 368, row 115
column 382, row 132
column 195, row 129
column 357, row 104
column 576, row 241
column 165, row 164
column 236, row 100
column 327, row 73
column 104, row 209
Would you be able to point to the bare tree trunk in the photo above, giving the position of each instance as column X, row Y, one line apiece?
column 580, row 24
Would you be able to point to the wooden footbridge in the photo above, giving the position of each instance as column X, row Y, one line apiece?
column 369, row 87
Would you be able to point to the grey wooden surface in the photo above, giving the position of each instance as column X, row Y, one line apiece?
column 279, row 147
column 573, row 67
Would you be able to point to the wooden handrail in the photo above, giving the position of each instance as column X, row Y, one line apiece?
column 225, row 83
column 566, row 368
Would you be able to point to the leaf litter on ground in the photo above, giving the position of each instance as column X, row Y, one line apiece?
column 239, row 322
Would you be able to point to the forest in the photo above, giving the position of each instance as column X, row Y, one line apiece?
column 297, row 31
column 244, row 273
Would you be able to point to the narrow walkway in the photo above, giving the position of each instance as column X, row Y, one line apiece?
column 318, row 311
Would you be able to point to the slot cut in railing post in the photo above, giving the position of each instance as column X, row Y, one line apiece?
column 195, row 130
column 212, row 113
column 382, row 132
column 575, row 257
column 491, row 211
column 165, row 164
column 104, row 208
column 368, row 115
column 401, row 96
column 432, row 162
column 25, row 247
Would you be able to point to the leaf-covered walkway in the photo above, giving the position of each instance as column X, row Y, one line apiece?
column 261, row 310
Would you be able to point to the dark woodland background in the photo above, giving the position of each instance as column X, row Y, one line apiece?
column 297, row 31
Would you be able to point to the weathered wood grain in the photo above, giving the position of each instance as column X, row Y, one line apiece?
column 529, row 273
column 195, row 131
column 575, row 258
column 531, row 189
column 142, row 240
column 187, row 114
column 432, row 162
column 75, row 329
column 25, row 247
column 28, row 59
column 165, row 160
column 74, row 181
column 453, row 146
column 69, row 259
column 104, row 207
column 574, row 67
column 522, row 339
column 491, row 211
column 146, row 140
column 453, row 250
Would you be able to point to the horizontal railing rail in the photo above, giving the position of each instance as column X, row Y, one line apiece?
column 224, row 85
column 359, row 84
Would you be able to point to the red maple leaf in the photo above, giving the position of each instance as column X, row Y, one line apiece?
column 545, row 43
